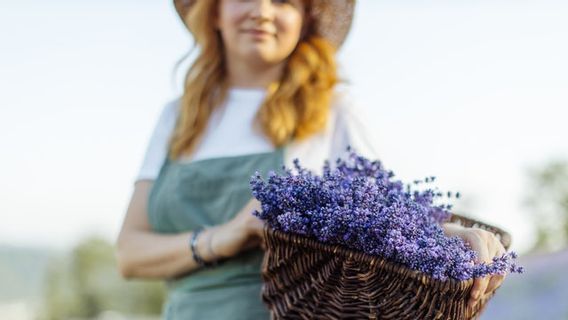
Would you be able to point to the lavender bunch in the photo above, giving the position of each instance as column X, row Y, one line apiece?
column 359, row 205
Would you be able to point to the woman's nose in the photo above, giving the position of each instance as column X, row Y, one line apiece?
column 262, row 10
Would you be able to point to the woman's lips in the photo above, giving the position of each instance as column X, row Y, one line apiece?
column 258, row 33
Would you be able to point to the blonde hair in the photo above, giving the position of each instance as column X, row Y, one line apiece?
column 294, row 108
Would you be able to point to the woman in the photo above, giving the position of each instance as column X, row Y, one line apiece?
column 262, row 91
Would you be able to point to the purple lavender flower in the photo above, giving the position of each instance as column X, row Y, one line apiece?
column 359, row 205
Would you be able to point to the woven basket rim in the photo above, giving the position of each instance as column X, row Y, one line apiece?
column 382, row 263
column 379, row 262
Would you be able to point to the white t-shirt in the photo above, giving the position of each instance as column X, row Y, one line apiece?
column 231, row 133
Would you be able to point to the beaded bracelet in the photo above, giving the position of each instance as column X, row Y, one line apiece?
column 196, row 256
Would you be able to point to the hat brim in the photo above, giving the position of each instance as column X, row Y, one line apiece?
column 332, row 18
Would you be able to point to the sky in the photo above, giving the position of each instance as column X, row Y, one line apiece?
column 474, row 93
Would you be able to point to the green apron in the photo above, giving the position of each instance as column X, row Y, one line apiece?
column 205, row 193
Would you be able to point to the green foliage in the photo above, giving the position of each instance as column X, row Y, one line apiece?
column 87, row 283
column 548, row 201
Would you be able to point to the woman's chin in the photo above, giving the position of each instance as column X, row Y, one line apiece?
column 261, row 57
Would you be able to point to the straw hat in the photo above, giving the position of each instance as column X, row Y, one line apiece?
column 332, row 18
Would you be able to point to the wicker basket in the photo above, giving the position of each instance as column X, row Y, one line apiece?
column 306, row 279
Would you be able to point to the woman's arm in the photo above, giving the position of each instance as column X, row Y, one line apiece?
column 143, row 253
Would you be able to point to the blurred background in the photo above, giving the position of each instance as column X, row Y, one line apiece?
column 474, row 93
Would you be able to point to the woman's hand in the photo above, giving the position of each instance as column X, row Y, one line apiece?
column 487, row 246
column 243, row 232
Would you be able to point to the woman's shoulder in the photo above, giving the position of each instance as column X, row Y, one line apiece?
column 170, row 109
column 344, row 107
column 168, row 117
column 344, row 100
column 156, row 149
column 351, row 122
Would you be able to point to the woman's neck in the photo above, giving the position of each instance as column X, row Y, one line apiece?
column 243, row 75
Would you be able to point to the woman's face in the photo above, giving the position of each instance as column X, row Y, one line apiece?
column 260, row 31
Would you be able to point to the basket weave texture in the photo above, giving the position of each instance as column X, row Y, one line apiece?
column 306, row 279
